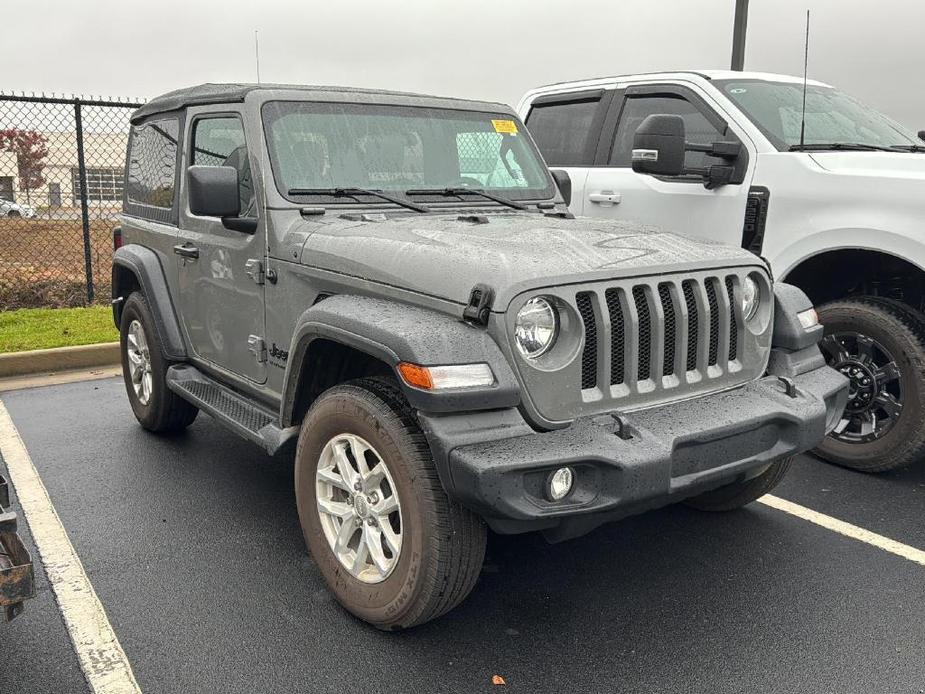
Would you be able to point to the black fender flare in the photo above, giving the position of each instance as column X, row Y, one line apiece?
column 145, row 265
column 394, row 332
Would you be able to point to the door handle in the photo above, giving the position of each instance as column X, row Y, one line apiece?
column 605, row 198
column 186, row 250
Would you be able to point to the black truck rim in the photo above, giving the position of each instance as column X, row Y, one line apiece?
column 875, row 392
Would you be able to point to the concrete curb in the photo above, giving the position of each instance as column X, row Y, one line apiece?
column 59, row 359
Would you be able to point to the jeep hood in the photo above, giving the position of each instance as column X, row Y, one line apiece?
column 908, row 165
column 445, row 255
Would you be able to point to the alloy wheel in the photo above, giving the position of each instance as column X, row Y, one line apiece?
column 359, row 508
column 875, row 392
column 139, row 362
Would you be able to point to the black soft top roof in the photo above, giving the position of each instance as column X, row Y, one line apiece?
column 212, row 93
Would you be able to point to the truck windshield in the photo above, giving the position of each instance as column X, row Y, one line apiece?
column 317, row 148
column 832, row 117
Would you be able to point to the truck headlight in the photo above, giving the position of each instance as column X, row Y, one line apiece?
column 536, row 327
column 751, row 298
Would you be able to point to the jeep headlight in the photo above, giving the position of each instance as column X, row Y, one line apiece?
column 536, row 327
column 751, row 297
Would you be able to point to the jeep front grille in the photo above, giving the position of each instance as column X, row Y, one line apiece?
column 660, row 335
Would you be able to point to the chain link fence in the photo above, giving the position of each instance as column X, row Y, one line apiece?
column 62, row 175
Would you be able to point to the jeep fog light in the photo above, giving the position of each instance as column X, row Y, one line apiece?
column 808, row 318
column 536, row 327
column 751, row 297
column 442, row 377
column 559, row 484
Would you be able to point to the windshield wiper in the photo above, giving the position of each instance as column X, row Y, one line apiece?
column 354, row 192
column 908, row 148
column 848, row 146
column 459, row 192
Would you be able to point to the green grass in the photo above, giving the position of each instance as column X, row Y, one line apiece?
column 43, row 328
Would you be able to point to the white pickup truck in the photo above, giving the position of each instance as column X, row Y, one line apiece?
column 835, row 202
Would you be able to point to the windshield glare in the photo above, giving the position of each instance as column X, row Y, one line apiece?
column 325, row 146
column 832, row 117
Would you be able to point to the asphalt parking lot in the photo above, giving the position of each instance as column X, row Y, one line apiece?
column 193, row 546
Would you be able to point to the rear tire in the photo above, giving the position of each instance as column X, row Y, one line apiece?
column 738, row 494
column 892, row 361
column 144, row 370
column 441, row 545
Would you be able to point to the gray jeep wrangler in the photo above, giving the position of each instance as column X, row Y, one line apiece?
column 392, row 285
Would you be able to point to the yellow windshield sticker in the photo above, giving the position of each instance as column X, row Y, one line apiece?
column 508, row 127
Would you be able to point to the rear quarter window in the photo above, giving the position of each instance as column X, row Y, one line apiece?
column 151, row 178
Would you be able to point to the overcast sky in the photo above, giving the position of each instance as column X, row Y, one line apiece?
column 492, row 49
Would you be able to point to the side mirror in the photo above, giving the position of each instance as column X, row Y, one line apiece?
column 658, row 146
column 921, row 134
column 563, row 183
column 213, row 191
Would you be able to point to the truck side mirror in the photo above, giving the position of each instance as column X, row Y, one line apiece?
column 213, row 191
column 563, row 183
column 658, row 146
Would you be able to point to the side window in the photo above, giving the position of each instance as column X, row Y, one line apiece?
column 219, row 141
column 152, row 169
column 562, row 131
column 635, row 110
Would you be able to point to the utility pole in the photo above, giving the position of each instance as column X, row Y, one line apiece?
column 740, row 24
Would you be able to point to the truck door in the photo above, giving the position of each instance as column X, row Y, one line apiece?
column 221, row 268
column 566, row 128
column 681, row 204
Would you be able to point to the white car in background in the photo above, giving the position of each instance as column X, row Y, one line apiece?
column 13, row 210
column 836, row 207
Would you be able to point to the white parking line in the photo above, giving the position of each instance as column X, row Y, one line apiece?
column 102, row 659
column 842, row 528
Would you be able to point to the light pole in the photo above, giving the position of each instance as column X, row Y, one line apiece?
column 740, row 23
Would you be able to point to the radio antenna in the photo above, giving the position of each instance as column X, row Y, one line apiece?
column 805, row 69
column 257, row 55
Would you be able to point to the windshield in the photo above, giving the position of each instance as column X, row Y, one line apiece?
column 319, row 148
column 832, row 117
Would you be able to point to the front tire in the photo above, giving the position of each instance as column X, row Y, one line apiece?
column 144, row 370
column 738, row 494
column 393, row 548
column 879, row 344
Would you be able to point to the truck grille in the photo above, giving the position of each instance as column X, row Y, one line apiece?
column 660, row 335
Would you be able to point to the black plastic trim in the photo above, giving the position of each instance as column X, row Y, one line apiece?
column 145, row 265
column 756, row 217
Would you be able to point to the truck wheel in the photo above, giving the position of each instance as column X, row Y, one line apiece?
column 879, row 344
column 144, row 369
column 738, row 494
column 394, row 550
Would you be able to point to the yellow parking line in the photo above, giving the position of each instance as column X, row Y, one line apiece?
column 101, row 657
column 847, row 529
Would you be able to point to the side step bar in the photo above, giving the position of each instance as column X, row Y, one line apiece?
column 17, row 577
column 236, row 412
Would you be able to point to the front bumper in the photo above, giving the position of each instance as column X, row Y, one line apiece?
column 495, row 464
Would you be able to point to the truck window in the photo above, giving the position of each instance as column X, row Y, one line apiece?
column 219, row 141
column 831, row 116
column 697, row 128
column 562, row 131
column 152, row 169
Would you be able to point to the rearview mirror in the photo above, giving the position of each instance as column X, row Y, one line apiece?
column 213, row 191
column 563, row 183
column 658, row 146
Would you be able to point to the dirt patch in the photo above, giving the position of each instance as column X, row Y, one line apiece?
column 42, row 262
